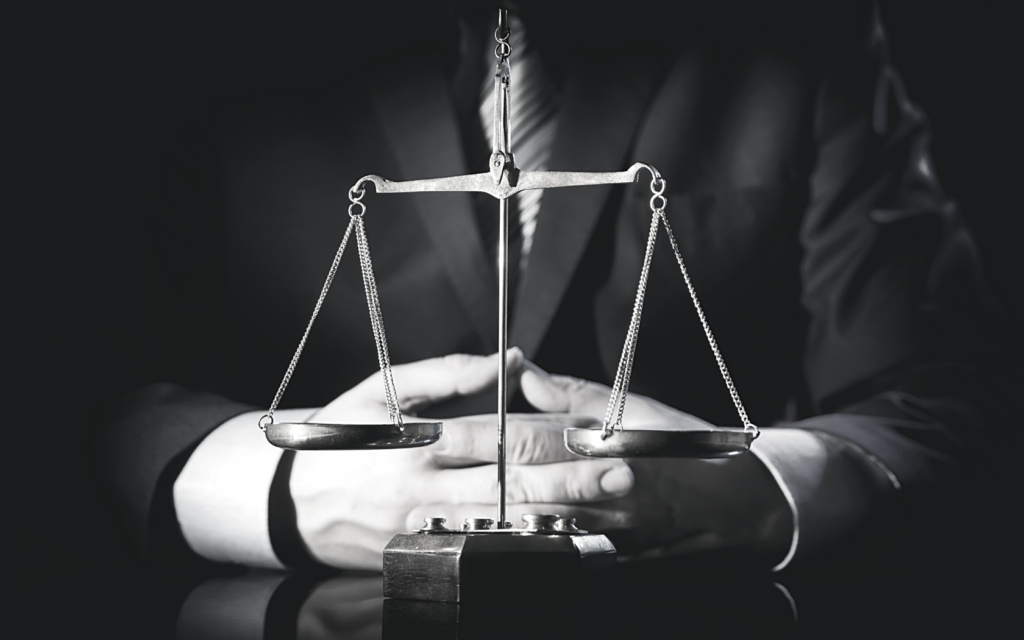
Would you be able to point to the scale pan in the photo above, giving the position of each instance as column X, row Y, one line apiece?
column 629, row 443
column 305, row 436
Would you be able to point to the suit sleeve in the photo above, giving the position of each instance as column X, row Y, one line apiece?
column 902, row 359
column 144, row 442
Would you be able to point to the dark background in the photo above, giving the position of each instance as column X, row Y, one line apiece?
column 99, row 92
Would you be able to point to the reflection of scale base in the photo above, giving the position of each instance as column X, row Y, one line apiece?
column 419, row 620
column 548, row 560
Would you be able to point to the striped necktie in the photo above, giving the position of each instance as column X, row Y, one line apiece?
column 534, row 103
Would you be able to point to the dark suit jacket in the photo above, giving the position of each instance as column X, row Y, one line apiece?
column 836, row 275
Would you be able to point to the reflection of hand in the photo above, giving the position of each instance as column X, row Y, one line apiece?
column 343, row 607
column 677, row 505
column 350, row 503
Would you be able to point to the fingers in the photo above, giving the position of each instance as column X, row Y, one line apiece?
column 549, row 392
column 555, row 393
column 530, row 439
column 558, row 482
column 591, row 518
column 435, row 379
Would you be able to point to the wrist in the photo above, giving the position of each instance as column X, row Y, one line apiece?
column 757, row 512
column 221, row 495
column 832, row 487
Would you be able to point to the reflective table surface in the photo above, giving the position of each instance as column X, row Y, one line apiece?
column 651, row 599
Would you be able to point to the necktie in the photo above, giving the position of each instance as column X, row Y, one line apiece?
column 534, row 103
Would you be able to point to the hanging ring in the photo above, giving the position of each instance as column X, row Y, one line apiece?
column 356, row 193
column 655, row 189
column 264, row 425
column 654, row 198
column 502, row 49
column 362, row 209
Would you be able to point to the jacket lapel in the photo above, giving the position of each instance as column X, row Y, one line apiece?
column 413, row 103
column 602, row 106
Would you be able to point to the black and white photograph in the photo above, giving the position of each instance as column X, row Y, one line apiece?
column 495, row 319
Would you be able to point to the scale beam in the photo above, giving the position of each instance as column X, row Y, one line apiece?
column 512, row 181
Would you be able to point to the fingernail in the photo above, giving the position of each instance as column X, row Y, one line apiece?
column 617, row 481
column 532, row 368
column 515, row 357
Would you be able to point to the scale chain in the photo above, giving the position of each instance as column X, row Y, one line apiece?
column 617, row 400
column 747, row 424
column 377, row 322
column 376, row 317
column 302, row 343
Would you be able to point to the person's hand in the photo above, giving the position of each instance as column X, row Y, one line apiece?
column 677, row 505
column 349, row 504
column 565, row 394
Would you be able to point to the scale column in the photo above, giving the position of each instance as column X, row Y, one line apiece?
column 502, row 162
column 503, row 352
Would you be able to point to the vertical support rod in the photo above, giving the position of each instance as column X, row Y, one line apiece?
column 502, row 140
column 502, row 352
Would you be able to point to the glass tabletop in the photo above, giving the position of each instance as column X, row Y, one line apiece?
column 645, row 600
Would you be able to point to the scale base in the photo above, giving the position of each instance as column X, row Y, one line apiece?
column 508, row 565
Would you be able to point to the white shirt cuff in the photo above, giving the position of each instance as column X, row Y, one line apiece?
column 822, row 504
column 221, row 495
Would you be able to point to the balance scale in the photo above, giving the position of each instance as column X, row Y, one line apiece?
column 490, row 558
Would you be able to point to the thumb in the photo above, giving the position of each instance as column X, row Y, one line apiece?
column 562, row 394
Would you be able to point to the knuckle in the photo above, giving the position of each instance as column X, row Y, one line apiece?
column 455, row 360
column 524, row 446
column 571, row 383
column 517, row 488
column 576, row 487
